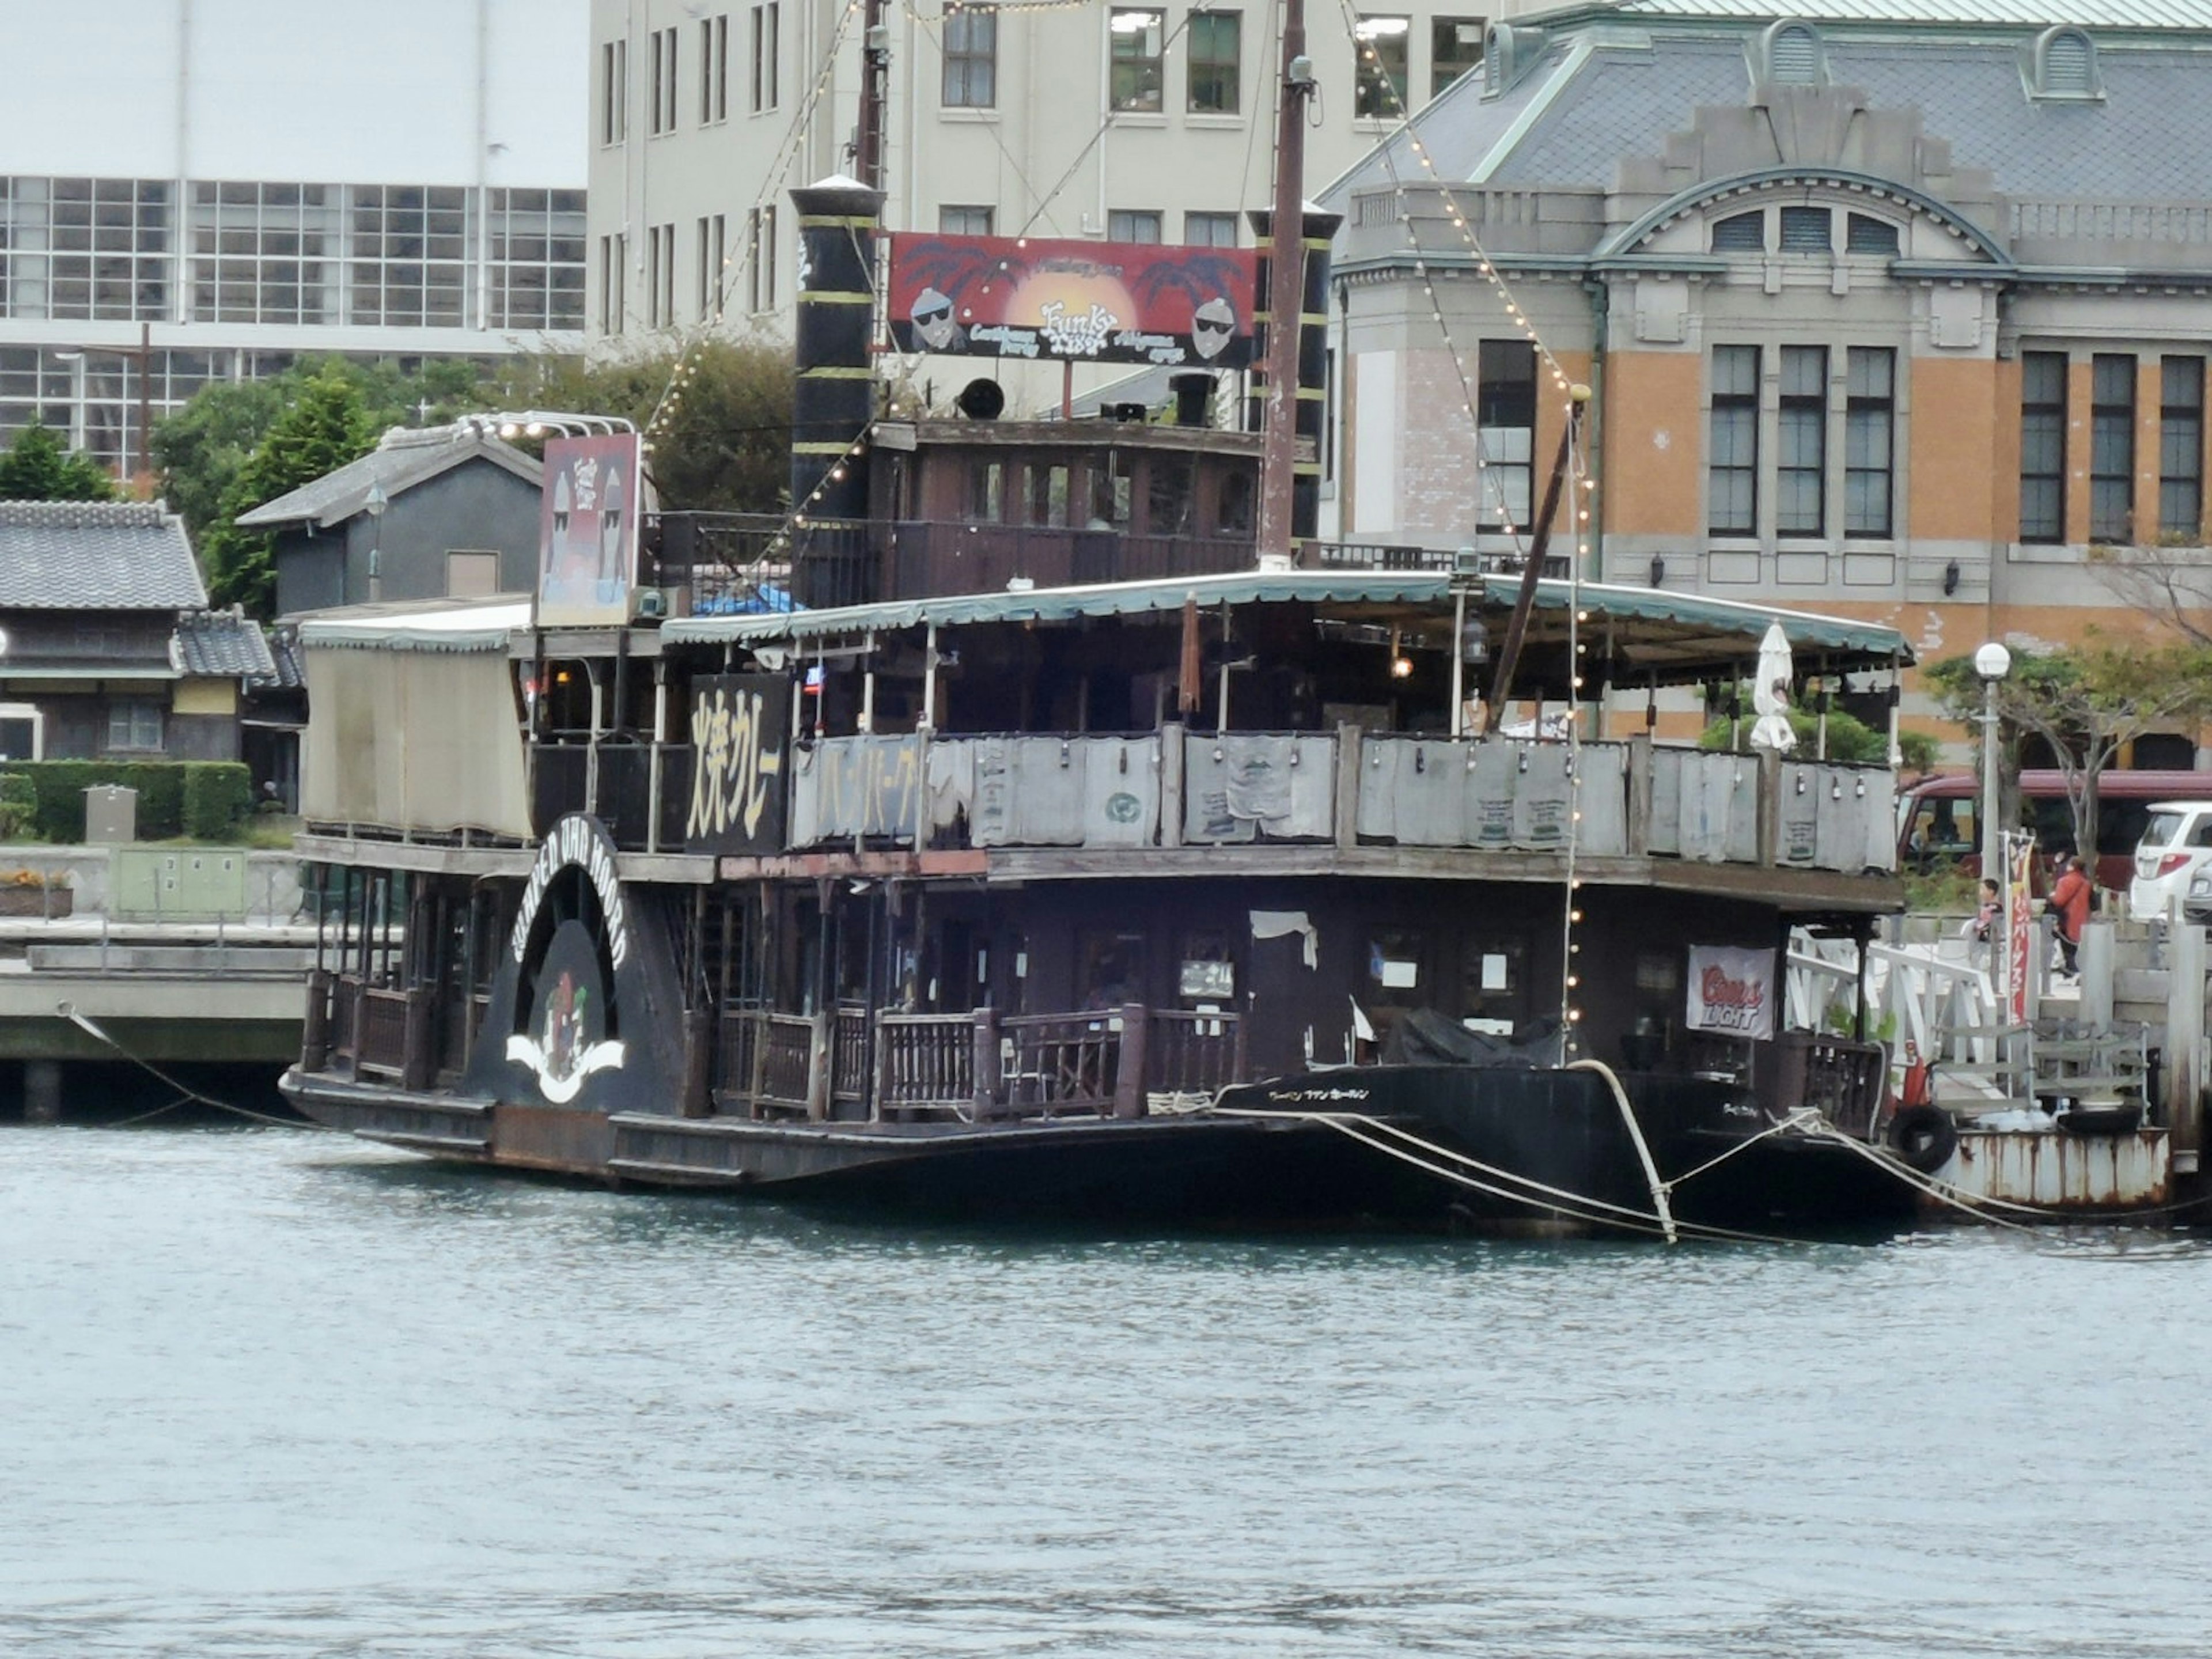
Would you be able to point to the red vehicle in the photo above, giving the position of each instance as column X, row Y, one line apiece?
column 1939, row 818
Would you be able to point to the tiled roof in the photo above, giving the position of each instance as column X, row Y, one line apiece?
column 95, row 555
column 223, row 645
column 405, row 459
column 1603, row 90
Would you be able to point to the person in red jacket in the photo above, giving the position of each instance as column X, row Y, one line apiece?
column 2069, row 902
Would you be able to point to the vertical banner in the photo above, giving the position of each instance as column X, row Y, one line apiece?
column 740, row 732
column 587, row 532
column 1731, row 991
column 2019, row 927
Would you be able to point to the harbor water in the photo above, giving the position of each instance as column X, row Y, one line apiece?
column 273, row 1392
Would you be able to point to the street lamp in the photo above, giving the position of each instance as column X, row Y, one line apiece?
column 1992, row 662
column 374, row 507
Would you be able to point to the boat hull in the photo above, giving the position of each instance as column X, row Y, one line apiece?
column 1430, row 1148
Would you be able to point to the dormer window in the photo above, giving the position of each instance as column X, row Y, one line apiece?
column 1740, row 233
column 1789, row 53
column 2062, row 63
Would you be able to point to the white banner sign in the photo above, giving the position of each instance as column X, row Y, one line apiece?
column 1731, row 990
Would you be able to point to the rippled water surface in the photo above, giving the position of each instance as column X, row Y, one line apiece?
column 272, row 1393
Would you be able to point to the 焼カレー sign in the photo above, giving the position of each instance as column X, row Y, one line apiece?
column 1731, row 991
column 740, row 733
column 587, row 532
column 1106, row 302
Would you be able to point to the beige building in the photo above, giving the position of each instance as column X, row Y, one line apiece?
column 1905, row 317
column 1138, row 123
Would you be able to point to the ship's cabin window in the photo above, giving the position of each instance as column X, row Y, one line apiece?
column 1236, row 515
column 1655, row 1009
column 1493, row 983
column 1111, row 969
column 1394, row 967
column 1168, row 496
column 1048, row 496
column 1206, row 976
column 1113, row 487
column 986, row 490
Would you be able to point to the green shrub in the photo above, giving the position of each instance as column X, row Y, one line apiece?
column 19, row 806
column 220, row 795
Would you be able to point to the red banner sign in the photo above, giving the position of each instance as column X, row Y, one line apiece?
column 1103, row 302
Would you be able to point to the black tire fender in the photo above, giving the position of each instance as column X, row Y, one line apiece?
column 1923, row 1136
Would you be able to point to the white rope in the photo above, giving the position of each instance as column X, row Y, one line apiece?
column 1635, row 1134
column 185, row 1092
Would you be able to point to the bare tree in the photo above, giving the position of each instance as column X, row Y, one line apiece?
column 2170, row 584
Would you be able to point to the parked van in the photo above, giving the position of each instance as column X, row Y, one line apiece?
column 1940, row 819
column 2175, row 849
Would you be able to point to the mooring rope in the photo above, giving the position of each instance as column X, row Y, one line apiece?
column 1636, row 1134
column 184, row 1091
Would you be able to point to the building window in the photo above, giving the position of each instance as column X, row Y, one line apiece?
column 1802, row 446
column 134, row 723
column 1740, row 233
column 2112, row 447
column 760, row 259
column 1216, row 65
column 767, row 50
column 614, row 92
column 1865, row 235
column 660, row 276
column 1506, row 428
column 2043, row 447
column 1132, row 225
column 964, row 221
column 1378, row 89
column 1732, row 454
column 1135, row 37
column 1455, row 47
column 971, row 58
column 664, row 81
column 1869, row 432
column 714, row 252
column 22, row 731
column 409, row 247
column 537, row 248
column 1807, row 230
column 714, row 69
column 614, row 257
column 86, row 248
column 1209, row 229
column 2181, row 448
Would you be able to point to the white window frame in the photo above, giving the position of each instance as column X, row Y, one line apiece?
column 37, row 716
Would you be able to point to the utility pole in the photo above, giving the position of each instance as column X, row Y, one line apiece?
column 1286, row 289
column 875, row 82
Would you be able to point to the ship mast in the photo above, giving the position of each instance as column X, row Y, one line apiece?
column 1285, row 290
column 875, row 75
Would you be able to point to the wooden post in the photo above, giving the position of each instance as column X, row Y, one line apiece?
column 886, row 1062
column 1129, row 1071
column 1346, row 803
column 1171, row 782
column 315, row 1025
column 1639, row 795
column 986, row 1063
column 818, row 1045
column 2184, row 1047
column 415, row 1058
column 698, row 1062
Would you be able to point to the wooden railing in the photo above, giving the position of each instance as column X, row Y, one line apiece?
column 1188, row 1054
column 925, row 1066
column 383, row 1046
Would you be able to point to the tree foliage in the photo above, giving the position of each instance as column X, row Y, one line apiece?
column 2085, row 702
column 38, row 467
column 325, row 426
column 724, row 444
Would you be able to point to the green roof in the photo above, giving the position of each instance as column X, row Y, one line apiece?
column 1677, row 631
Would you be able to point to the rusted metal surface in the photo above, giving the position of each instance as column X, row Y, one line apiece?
column 551, row 1138
column 2053, row 1169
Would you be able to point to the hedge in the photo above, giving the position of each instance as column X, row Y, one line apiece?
column 206, row 800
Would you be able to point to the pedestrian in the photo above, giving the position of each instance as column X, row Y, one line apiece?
column 2069, row 902
column 1983, row 928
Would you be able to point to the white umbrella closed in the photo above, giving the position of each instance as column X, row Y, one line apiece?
column 1770, row 694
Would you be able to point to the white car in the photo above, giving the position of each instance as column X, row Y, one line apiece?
column 2176, row 847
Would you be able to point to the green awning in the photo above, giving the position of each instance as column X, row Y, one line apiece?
column 1674, row 628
